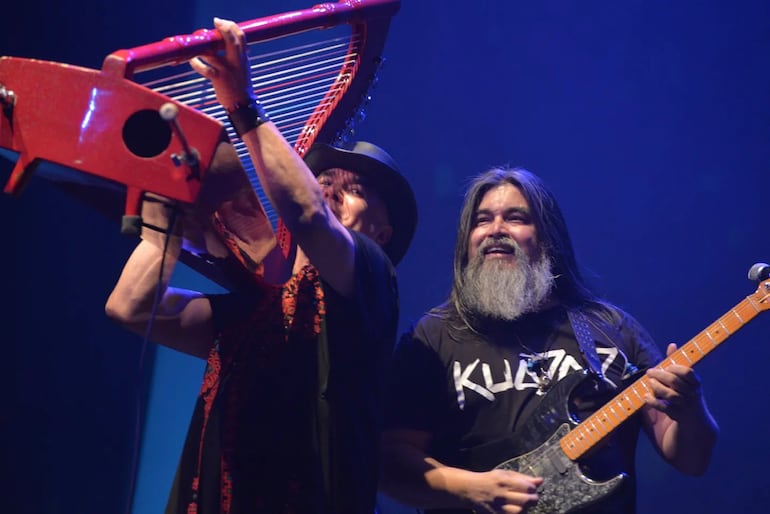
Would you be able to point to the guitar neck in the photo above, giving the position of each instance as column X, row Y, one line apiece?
column 601, row 423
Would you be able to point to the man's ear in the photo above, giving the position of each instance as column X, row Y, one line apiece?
column 383, row 235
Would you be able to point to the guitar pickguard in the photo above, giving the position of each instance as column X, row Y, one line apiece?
column 565, row 488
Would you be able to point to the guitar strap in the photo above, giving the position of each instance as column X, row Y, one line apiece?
column 585, row 339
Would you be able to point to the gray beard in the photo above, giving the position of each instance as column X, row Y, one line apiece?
column 497, row 290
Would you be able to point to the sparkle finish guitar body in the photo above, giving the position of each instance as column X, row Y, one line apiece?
column 565, row 488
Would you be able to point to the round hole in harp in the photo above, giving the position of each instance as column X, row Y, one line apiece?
column 146, row 134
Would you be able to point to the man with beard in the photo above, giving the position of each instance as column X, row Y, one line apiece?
column 478, row 381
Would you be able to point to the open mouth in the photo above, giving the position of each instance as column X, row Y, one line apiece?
column 499, row 249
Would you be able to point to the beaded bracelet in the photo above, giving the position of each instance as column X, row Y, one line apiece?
column 247, row 117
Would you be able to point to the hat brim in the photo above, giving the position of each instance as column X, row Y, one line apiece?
column 381, row 173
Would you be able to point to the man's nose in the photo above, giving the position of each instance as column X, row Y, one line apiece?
column 497, row 227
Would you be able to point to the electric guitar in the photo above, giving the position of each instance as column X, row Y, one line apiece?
column 565, row 488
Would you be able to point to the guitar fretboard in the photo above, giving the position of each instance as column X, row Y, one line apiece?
column 602, row 422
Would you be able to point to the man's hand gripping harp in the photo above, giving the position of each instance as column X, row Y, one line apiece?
column 108, row 139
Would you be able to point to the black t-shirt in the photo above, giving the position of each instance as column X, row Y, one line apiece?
column 471, row 392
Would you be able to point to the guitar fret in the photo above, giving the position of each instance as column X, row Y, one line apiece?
column 724, row 327
column 601, row 416
column 578, row 441
column 589, row 435
column 584, row 433
column 737, row 316
column 753, row 304
column 591, row 421
column 606, row 423
column 631, row 403
column 696, row 345
column 684, row 354
column 592, row 432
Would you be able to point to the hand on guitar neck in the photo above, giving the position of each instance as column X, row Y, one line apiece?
column 678, row 416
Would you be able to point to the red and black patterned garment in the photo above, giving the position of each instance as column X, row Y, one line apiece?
column 288, row 416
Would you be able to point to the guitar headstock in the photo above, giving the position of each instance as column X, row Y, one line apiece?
column 760, row 272
column 761, row 297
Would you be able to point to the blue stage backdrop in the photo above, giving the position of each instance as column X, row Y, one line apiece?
column 650, row 120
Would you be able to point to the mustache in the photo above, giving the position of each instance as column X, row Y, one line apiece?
column 505, row 243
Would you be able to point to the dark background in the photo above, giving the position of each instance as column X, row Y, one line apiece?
column 650, row 121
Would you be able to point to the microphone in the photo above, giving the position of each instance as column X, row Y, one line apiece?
column 759, row 271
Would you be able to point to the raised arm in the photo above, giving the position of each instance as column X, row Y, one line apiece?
column 411, row 476
column 181, row 319
column 678, row 420
column 288, row 183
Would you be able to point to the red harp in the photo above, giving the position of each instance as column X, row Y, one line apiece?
column 102, row 135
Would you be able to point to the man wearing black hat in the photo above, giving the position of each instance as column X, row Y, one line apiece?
column 288, row 417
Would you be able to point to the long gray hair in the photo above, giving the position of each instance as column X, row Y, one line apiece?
column 552, row 236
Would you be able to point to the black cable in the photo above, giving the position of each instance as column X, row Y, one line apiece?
column 142, row 354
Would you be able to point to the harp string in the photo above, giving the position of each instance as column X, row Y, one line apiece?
column 292, row 83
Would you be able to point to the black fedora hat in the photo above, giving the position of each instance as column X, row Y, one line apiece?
column 381, row 172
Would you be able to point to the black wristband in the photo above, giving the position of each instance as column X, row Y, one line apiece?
column 247, row 117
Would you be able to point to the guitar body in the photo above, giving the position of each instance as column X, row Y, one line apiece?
column 565, row 488
column 538, row 453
